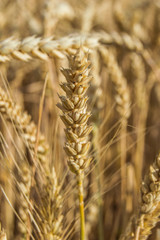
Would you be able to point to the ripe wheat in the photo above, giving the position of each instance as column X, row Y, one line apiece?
column 75, row 117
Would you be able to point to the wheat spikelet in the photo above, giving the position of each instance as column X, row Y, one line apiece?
column 75, row 117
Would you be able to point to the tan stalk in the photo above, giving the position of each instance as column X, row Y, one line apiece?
column 141, row 111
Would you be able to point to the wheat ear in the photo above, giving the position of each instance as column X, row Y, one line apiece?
column 51, row 216
column 149, row 212
column 41, row 48
column 75, row 117
column 150, row 205
column 28, row 130
column 32, row 47
column 26, row 127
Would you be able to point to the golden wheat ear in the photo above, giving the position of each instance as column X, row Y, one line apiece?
column 149, row 211
column 150, row 201
column 74, row 108
column 51, row 190
column 75, row 116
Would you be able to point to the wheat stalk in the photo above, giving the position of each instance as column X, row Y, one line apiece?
column 141, row 111
column 75, row 117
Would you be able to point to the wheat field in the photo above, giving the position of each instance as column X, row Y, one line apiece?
column 79, row 120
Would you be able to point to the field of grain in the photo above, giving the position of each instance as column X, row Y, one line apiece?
column 79, row 120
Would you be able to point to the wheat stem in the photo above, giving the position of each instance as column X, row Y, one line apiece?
column 81, row 204
column 97, row 168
